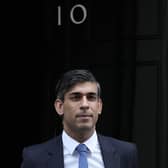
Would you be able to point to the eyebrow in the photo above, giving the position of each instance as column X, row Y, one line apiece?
column 78, row 93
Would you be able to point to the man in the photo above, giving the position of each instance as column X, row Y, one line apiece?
column 78, row 101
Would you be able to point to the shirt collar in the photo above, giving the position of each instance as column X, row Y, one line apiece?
column 70, row 144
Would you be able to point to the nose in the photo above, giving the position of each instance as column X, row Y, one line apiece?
column 84, row 103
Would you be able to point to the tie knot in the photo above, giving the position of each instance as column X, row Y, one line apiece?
column 81, row 148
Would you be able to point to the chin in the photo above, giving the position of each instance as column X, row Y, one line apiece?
column 85, row 128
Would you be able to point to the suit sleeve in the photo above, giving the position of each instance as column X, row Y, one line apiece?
column 27, row 161
column 135, row 160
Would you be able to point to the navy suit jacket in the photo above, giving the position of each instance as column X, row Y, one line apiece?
column 115, row 153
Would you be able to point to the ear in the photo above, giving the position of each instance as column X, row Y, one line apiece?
column 100, row 106
column 58, row 104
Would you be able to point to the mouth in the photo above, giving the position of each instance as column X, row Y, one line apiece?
column 84, row 116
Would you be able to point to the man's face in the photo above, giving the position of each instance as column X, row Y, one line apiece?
column 80, row 108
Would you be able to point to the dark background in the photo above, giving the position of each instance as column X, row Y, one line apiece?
column 124, row 43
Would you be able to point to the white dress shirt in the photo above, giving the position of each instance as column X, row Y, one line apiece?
column 71, row 156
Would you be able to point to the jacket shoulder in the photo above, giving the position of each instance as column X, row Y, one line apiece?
column 40, row 146
column 127, row 151
column 38, row 150
column 120, row 145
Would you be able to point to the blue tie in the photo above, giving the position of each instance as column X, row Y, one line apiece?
column 82, row 150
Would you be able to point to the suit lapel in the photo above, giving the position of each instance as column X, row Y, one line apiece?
column 55, row 154
column 110, row 156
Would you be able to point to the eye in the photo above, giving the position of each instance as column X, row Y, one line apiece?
column 92, row 97
column 75, row 97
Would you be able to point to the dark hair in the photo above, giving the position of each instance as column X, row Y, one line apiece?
column 71, row 78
